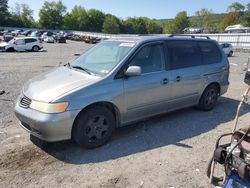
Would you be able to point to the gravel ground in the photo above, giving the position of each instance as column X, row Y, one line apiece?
column 171, row 150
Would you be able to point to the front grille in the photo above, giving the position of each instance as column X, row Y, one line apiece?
column 25, row 102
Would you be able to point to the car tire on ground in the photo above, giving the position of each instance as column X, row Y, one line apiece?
column 10, row 50
column 230, row 54
column 94, row 127
column 209, row 98
column 35, row 48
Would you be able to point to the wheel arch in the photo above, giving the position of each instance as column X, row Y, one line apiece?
column 210, row 84
column 216, row 84
column 111, row 106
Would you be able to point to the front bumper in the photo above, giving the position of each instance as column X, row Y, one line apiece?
column 47, row 127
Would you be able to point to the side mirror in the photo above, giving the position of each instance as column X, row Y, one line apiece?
column 133, row 71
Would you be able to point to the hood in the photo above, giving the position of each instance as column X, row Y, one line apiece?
column 53, row 84
column 3, row 44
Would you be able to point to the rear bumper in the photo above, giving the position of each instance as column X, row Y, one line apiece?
column 47, row 127
column 223, row 89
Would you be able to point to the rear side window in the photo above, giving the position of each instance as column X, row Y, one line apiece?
column 30, row 40
column 210, row 52
column 183, row 54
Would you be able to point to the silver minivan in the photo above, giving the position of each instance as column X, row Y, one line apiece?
column 121, row 81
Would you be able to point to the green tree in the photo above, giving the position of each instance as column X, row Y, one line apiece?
column 135, row 26
column 178, row 24
column 76, row 19
column 236, row 7
column 140, row 26
column 95, row 20
column 51, row 14
column 153, row 26
column 111, row 25
column 127, row 26
column 4, row 13
column 26, row 16
column 247, row 16
column 231, row 18
column 205, row 19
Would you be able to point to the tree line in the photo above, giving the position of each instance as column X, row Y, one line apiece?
column 54, row 15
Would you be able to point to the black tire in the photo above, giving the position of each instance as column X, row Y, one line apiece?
column 94, row 127
column 10, row 50
column 35, row 48
column 230, row 54
column 209, row 98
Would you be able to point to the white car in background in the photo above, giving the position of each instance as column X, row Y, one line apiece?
column 49, row 39
column 227, row 48
column 22, row 44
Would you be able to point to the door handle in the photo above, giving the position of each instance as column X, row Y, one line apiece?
column 164, row 81
column 178, row 78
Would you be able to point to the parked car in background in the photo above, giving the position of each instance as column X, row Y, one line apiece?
column 237, row 29
column 60, row 39
column 22, row 44
column 227, row 48
column 26, row 33
column 7, row 36
column 49, row 39
column 37, row 33
column 1, row 32
column 120, row 81
column 47, row 34
column 15, row 33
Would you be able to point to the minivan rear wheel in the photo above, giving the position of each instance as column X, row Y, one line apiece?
column 94, row 127
column 209, row 98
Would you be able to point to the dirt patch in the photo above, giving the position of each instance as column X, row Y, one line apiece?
column 118, row 181
column 22, row 157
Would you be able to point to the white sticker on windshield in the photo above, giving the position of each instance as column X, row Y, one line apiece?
column 105, row 71
column 128, row 44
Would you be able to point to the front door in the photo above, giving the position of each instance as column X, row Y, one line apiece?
column 147, row 94
column 19, row 45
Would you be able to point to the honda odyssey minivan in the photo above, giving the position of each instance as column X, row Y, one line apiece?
column 121, row 81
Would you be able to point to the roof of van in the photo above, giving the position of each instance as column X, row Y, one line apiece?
column 145, row 38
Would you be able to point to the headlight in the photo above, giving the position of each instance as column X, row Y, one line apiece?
column 49, row 107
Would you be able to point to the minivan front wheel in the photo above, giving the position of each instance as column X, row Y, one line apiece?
column 94, row 127
column 209, row 98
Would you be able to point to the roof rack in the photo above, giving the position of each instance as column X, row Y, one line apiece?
column 191, row 36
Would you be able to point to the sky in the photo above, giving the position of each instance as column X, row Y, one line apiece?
column 159, row 9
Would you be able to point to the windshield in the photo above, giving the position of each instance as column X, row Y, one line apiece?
column 103, row 57
column 12, row 41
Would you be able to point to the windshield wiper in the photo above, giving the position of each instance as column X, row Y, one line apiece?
column 81, row 68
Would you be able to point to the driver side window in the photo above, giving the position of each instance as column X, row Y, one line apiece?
column 150, row 58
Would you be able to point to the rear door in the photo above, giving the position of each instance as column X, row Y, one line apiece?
column 29, row 43
column 185, row 61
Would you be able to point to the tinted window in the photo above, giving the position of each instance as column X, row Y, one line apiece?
column 183, row 54
column 210, row 52
column 30, row 40
column 150, row 59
